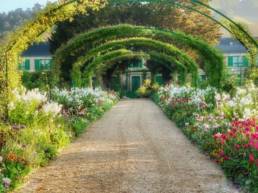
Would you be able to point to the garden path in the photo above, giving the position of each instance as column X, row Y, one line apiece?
column 134, row 148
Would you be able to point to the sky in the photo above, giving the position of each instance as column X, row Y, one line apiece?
column 8, row 5
column 240, row 10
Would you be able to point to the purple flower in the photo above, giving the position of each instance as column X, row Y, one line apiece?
column 6, row 182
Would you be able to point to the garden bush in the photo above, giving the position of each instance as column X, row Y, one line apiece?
column 223, row 126
column 147, row 89
column 32, row 80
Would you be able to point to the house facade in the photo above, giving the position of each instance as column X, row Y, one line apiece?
column 236, row 58
column 38, row 58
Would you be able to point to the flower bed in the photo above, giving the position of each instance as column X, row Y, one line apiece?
column 224, row 127
column 39, row 127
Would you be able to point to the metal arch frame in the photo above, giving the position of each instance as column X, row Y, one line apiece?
column 251, row 39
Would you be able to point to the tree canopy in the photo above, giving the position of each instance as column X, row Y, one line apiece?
column 153, row 13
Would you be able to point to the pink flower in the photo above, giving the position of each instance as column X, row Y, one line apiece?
column 254, row 144
column 255, row 136
column 217, row 135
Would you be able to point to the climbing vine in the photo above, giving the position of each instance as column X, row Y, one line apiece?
column 103, row 62
column 142, row 44
column 30, row 32
column 251, row 48
column 212, row 58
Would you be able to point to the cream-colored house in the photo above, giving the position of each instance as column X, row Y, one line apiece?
column 36, row 58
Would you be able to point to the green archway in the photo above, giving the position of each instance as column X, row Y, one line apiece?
column 213, row 59
column 55, row 12
column 142, row 44
column 104, row 62
column 30, row 32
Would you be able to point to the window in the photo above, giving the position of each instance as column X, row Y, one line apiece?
column 136, row 64
column 42, row 64
column 238, row 61
column 25, row 65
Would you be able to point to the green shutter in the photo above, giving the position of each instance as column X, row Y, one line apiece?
column 245, row 61
column 49, row 64
column 230, row 61
column 37, row 64
column 27, row 65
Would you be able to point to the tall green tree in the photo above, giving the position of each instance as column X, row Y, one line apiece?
column 149, row 13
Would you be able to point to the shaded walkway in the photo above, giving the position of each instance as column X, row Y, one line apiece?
column 134, row 148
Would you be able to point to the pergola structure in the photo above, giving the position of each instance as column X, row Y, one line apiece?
column 63, row 10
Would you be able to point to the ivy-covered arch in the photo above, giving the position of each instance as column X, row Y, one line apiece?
column 213, row 59
column 27, row 34
column 108, row 59
column 142, row 44
column 103, row 62
column 168, row 61
column 30, row 32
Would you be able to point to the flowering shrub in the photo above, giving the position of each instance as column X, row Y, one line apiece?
column 78, row 101
column 237, row 150
column 39, row 127
column 243, row 105
column 224, row 126
column 187, row 96
column 147, row 88
column 83, row 105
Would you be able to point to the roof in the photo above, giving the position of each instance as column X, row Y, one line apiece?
column 38, row 49
column 227, row 45
column 231, row 46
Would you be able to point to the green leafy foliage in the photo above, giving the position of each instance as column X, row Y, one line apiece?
column 211, row 58
column 39, row 80
column 38, row 128
column 158, row 13
column 144, row 44
column 20, row 39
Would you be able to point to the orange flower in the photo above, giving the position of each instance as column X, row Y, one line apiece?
column 11, row 157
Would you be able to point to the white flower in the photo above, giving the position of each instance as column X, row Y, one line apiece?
column 1, row 159
column 52, row 108
column 34, row 95
column 231, row 103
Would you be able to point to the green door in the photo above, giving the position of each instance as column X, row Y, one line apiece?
column 159, row 79
column 136, row 83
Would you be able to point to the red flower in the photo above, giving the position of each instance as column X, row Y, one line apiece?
column 246, row 146
column 237, row 146
column 251, row 158
column 254, row 144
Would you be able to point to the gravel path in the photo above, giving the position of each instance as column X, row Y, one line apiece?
column 134, row 148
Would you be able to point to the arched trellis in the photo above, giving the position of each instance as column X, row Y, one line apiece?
column 103, row 62
column 165, row 60
column 27, row 34
column 142, row 44
column 235, row 29
column 24, row 36
column 109, row 58
column 213, row 59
